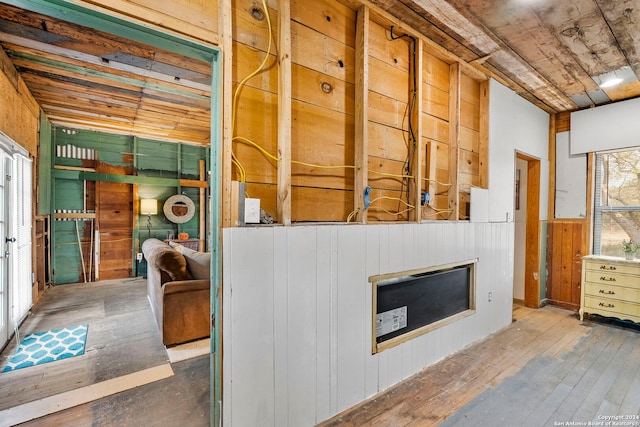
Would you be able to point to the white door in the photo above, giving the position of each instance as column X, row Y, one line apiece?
column 15, row 236
column 5, row 165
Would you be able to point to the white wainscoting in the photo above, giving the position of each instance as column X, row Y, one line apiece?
column 297, row 312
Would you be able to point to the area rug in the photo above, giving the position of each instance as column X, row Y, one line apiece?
column 48, row 346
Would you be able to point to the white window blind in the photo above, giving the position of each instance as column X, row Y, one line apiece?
column 21, row 225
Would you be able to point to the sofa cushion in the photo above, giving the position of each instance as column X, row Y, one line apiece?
column 198, row 263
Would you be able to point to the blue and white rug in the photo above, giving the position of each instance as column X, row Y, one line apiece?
column 48, row 346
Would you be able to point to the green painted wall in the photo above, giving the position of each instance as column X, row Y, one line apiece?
column 44, row 166
column 155, row 166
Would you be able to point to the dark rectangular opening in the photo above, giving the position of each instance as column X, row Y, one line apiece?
column 410, row 303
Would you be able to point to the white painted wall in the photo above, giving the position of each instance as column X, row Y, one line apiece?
column 606, row 127
column 514, row 125
column 571, row 180
column 298, row 307
column 520, row 245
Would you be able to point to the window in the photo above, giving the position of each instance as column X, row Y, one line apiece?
column 617, row 201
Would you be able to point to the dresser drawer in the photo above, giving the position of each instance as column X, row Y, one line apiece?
column 612, row 278
column 611, row 292
column 610, row 307
column 603, row 266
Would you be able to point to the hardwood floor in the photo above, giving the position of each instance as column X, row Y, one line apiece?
column 546, row 369
column 123, row 350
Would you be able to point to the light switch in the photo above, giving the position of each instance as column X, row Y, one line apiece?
column 252, row 211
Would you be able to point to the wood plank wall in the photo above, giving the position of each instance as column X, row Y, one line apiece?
column 19, row 111
column 389, row 138
column 324, row 115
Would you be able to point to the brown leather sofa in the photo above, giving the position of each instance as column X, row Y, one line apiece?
column 178, row 289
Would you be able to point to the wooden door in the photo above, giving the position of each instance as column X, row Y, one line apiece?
column 564, row 263
column 114, row 221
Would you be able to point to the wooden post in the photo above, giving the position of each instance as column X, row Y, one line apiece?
column 484, row 134
column 284, row 113
column 361, row 148
column 225, row 24
column 552, row 168
column 220, row 204
column 418, row 155
column 532, row 262
column 587, row 229
column 454, row 138
column 432, row 186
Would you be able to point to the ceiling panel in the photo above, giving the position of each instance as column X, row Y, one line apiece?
column 85, row 78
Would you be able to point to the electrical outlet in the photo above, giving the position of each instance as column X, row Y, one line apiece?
column 139, row 256
column 490, row 296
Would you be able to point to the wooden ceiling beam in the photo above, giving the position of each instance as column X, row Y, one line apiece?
column 19, row 43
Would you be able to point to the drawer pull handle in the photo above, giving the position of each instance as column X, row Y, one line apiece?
column 602, row 291
column 610, row 279
column 607, row 267
column 608, row 305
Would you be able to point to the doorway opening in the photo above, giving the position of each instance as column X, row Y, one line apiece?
column 527, row 231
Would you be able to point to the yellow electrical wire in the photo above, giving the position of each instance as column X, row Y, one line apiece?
column 392, row 198
column 436, row 211
column 277, row 159
column 436, row 181
column 392, row 175
column 352, row 215
column 392, row 213
column 324, row 167
column 241, row 170
column 355, row 212
column 239, row 166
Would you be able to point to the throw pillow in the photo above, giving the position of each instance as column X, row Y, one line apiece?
column 197, row 262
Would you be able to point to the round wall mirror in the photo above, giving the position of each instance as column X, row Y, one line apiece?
column 179, row 209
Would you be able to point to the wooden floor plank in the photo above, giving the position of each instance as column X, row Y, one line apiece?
column 122, row 338
column 123, row 342
column 629, row 371
column 609, row 371
column 584, row 375
column 631, row 402
column 545, row 367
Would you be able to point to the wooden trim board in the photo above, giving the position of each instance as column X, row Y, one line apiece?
column 59, row 402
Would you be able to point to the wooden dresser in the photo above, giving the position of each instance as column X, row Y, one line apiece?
column 610, row 287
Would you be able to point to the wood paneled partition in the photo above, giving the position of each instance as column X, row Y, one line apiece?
column 297, row 324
